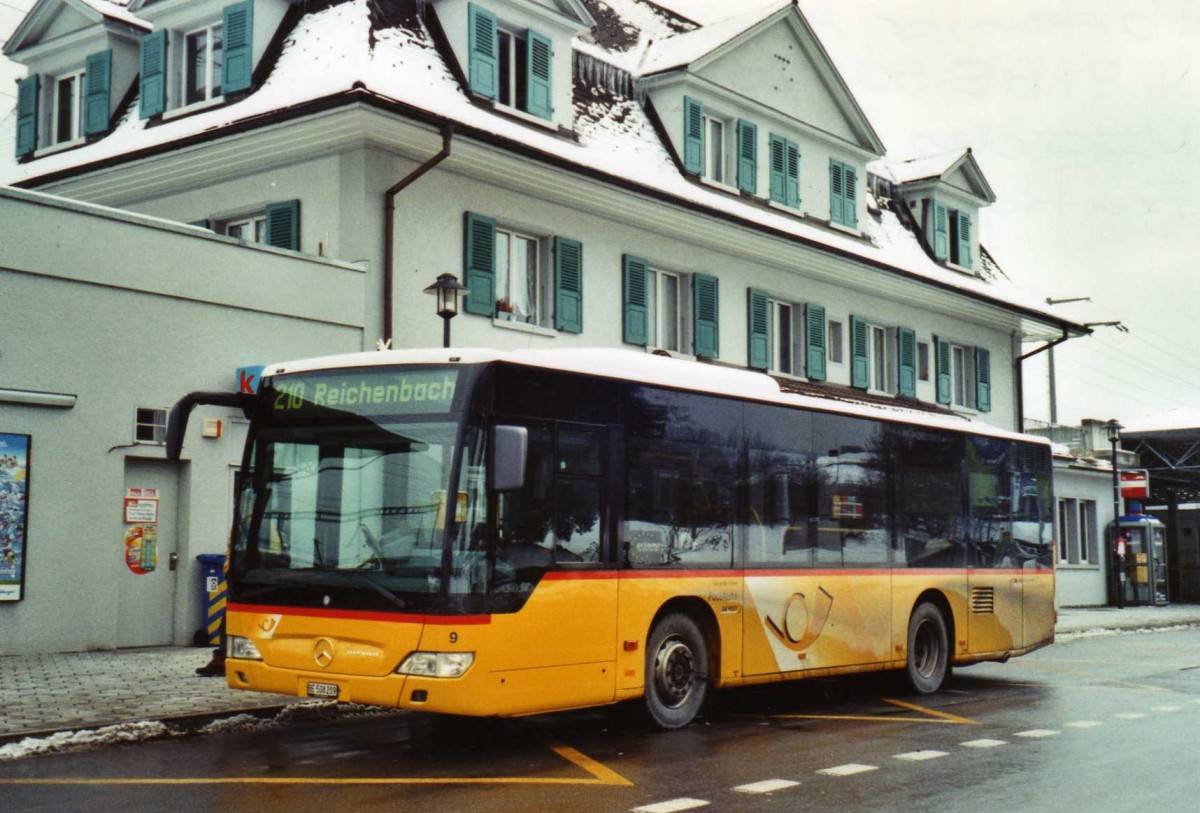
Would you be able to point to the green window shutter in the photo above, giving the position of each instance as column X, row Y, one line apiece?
column 693, row 136
column 537, row 77
column 635, row 329
column 964, row 240
column 97, row 82
column 283, row 225
column 237, row 71
column 778, row 170
column 906, row 353
column 814, row 340
column 860, row 367
column 481, row 65
column 850, row 199
column 706, row 306
column 747, row 174
column 942, row 364
column 792, row 174
column 568, row 285
column 28, row 95
column 479, row 263
column 836, row 187
column 941, row 232
column 983, row 380
column 758, row 322
column 152, row 88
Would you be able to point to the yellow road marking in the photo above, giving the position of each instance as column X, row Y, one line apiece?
column 599, row 775
column 933, row 716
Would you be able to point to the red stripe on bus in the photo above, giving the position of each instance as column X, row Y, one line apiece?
column 361, row 615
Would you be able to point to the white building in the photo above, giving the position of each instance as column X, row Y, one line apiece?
column 597, row 173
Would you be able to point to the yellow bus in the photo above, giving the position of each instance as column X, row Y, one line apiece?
column 479, row 532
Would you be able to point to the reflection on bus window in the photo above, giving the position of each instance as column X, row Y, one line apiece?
column 929, row 498
column 852, row 496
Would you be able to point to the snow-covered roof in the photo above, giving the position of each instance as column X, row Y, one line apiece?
column 96, row 10
column 1178, row 419
column 934, row 167
column 349, row 49
column 684, row 49
column 117, row 10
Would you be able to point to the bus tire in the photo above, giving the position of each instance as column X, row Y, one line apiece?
column 676, row 671
column 928, row 649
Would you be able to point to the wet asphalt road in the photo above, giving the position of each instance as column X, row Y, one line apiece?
column 1109, row 723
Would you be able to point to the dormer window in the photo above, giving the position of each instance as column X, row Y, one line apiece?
column 951, row 235
column 203, row 51
column 66, row 122
column 509, row 65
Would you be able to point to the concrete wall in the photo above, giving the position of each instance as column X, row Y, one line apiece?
column 1084, row 585
column 125, row 312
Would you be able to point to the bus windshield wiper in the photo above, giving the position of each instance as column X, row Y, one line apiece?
column 381, row 590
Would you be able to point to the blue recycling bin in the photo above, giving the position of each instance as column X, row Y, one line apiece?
column 212, row 604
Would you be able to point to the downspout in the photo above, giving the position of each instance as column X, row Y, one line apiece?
column 389, row 227
column 1021, row 375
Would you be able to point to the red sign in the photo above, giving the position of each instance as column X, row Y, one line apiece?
column 1135, row 484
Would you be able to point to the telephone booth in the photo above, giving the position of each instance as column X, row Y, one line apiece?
column 1140, row 561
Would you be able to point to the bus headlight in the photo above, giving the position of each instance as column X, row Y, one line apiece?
column 437, row 664
column 243, row 648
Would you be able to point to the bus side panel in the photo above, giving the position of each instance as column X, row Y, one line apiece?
column 817, row 620
column 1039, row 607
column 643, row 594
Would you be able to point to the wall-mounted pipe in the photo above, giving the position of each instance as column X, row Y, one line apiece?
column 389, row 227
column 1020, row 369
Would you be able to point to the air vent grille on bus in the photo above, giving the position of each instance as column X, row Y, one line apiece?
column 983, row 600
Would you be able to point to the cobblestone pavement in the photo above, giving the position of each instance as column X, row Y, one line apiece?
column 45, row 693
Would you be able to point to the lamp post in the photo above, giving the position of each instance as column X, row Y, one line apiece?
column 1114, row 437
column 447, row 290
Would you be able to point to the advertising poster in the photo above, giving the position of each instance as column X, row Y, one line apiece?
column 14, row 514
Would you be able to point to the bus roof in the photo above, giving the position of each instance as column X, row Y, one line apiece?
column 649, row 368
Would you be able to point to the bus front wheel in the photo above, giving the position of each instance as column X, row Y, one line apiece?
column 676, row 671
column 928, row 650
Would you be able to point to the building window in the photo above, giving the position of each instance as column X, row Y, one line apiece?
column 66, row 122
column 520, row 279
column 879, row 358
column 1065, row 511
column 835, row 342
column 663, row 310
column 1087, row 531
column 203, row 52
column 714, row 149
column 150, row 425
column 252, row 229
column 923, row 361
column 512, row 67
column 781, row 337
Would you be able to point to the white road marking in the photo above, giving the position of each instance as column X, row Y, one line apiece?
column 1037, row 733
column 1167, row 709
column 984, row 743
column 1129, row 715
column 1084, row 724
column 767, row 786
column 672, row 806
column 847, row 770
column 921, row 756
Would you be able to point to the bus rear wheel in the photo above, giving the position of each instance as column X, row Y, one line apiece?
column 928, row 650
column 676, row 671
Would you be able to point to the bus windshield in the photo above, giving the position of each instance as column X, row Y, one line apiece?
column 347, row 500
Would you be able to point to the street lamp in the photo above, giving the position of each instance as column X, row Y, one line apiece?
column 1114, row 437
column 447, row 290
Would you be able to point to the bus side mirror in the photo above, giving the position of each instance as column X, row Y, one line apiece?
column 510, row 445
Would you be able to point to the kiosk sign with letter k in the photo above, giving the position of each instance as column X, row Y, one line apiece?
column 248, row 378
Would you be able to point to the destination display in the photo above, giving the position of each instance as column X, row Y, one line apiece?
column 364, row 392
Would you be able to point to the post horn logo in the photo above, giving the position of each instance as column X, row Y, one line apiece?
column 799, row 627
column 323, row 652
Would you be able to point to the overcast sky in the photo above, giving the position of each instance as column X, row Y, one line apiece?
column 1080, row 113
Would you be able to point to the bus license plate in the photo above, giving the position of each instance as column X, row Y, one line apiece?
column 326, row 690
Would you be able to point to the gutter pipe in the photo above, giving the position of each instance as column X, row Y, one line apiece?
column 1021, row 374
column 389, row 227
